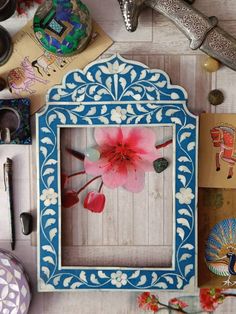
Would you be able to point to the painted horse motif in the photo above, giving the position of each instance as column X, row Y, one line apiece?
column 224, row 137
column 20, row 79
column 45, row 62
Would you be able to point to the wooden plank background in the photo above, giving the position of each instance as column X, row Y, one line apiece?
column 131, row 231
column 160, row 45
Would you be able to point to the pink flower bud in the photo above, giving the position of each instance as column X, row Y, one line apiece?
column 178, row 304
column 69, row 198
column 95, row 202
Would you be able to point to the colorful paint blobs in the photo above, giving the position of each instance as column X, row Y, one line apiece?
column 220, row 252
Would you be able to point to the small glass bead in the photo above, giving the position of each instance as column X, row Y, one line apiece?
column 211, row 65
column 92, row 154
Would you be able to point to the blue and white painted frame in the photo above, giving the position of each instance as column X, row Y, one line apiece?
column 95, row 97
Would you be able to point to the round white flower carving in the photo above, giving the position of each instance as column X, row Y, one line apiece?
column 118, row 114
column 49, row 197
column 118, row 279
column 185, row 196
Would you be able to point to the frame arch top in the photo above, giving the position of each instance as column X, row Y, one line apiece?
column 116, row 79
column 116, row 92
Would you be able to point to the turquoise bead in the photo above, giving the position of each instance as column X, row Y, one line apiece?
column 92, row 154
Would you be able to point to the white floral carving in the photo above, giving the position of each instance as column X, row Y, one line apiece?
column 118, row 115
column 118, row 279
column 185, row 196
column 113, row 68
column 49, row 197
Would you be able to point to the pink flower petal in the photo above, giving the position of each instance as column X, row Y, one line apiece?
column 135, row 181
column 95, row 168
column 142, row 140
column 115, row 177
column 150, row 156
column 144, row 165
column 108, row 136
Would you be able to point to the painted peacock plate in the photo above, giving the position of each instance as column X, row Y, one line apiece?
column 220, row 253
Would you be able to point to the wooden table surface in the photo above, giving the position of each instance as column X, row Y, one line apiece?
column 159, row 44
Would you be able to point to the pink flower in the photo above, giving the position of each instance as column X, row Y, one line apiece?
column 178, row 304
column 95, row 202
column 148, row 302
column 210, row 299
column 125, row 155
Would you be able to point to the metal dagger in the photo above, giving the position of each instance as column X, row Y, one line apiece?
column 202, row 31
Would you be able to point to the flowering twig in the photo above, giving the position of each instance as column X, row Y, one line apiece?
column 150, row 302
column 24, row 5
column 171, row 307
column 228, row 294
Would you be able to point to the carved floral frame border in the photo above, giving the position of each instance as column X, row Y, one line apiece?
column 94, row 97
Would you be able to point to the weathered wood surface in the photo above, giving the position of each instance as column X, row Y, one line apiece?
column 158, row 43
column 136, row 227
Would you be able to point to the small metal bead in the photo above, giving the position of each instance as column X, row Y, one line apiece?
column 216, row 97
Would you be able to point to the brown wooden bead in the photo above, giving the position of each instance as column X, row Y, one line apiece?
column 211, row 65
column 216, row 97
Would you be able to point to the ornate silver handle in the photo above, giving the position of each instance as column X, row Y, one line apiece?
column 202, row 31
